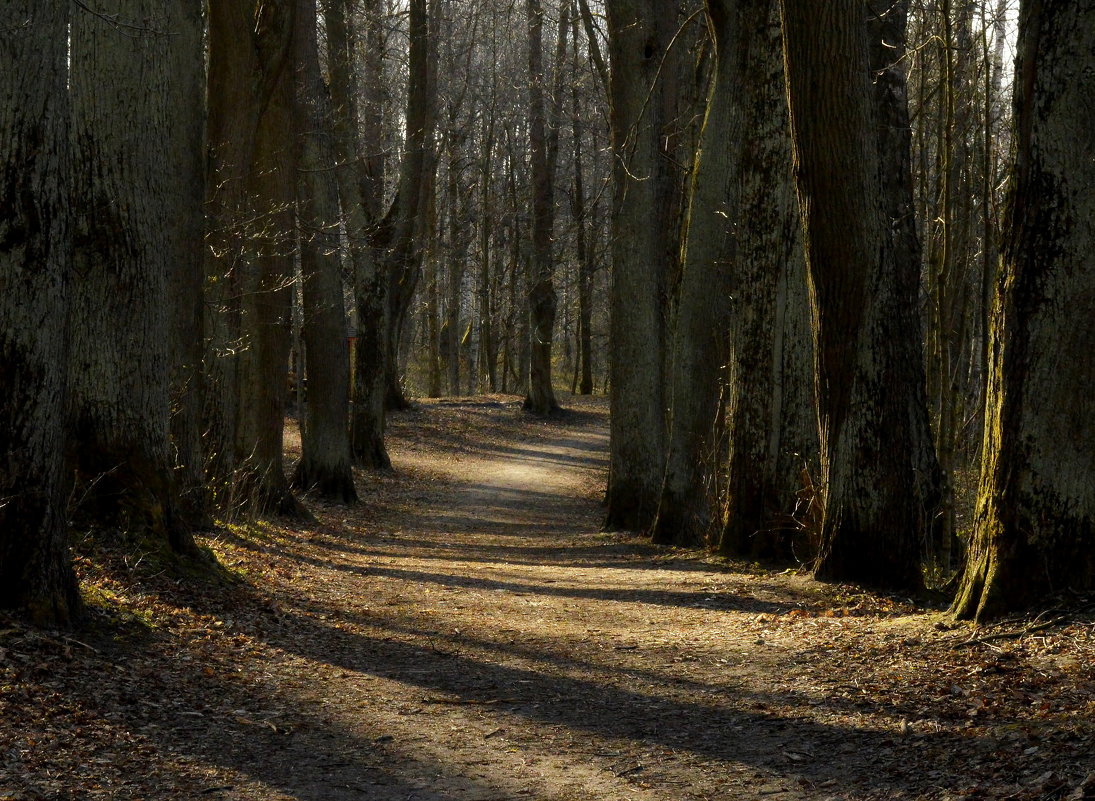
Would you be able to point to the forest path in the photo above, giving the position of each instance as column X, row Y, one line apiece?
column 467, row 634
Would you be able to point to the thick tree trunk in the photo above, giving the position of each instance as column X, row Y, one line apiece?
column 324, row 466
column 1035, row 526
column 872, row 523
column 699, row 336
column 770, row 412
column 234, row 105
column 123, row 186
column 35, row 267
column 887, row 24
column 639, row 33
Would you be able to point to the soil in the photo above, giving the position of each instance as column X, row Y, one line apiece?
column 467, row 633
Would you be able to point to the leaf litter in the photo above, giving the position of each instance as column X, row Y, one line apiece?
column 468, row 633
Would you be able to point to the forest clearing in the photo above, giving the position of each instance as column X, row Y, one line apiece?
column 468, row 633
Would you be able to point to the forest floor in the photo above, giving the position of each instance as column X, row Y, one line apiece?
column 467, row 634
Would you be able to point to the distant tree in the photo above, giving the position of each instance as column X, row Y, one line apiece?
column 324, row 466
column 540, row 398
column 35, row 269
column 124, row 185
column 873, row 520
column 1035, row 524
column 360, row 185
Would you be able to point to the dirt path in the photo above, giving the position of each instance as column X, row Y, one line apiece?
column 467, row 634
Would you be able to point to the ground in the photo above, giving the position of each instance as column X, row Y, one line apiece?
column 467, row 633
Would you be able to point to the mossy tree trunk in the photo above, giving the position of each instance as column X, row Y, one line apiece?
column 699, row 340
column 1035, row 522
column 771, row 423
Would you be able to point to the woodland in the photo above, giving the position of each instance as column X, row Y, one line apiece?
column 555, row 399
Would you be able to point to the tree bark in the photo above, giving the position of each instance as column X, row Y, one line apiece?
column 713, row 229
column 123, row 188
column 1035, row 523
column 400, row 233
column 35, row 268
column 887, row 26
column 872, row 525
column 251, row 190
column 642, row 181
column 770, row 412
column 324, row 466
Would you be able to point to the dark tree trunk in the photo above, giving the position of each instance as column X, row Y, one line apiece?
column 35, row 267
column 262, row 486
column 770, row 414
column 1035, row 524
column 124, row 185
column 542, row 301
column 643, row 190
column 324, row 466
column 872, row 525
column 251, row 191
column 713, row 229
column 887, row 24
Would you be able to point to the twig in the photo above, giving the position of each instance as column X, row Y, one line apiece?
column 1010, row 635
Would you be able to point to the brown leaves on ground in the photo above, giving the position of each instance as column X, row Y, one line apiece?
column 466, row 633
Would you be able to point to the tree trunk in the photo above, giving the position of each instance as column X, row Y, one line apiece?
column 639, row 32
column 267, row 278
column 584, row 253
column 124, row 184
column 186, row 115
column 887, row 25
column 770, row 413
column 872, row 523
column 360, row 188
column 714, row 226
column 35, row 268
column 251, row 190
column 402, row 230
column 1035, row 525
column 542, row 301
column 324, row 465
